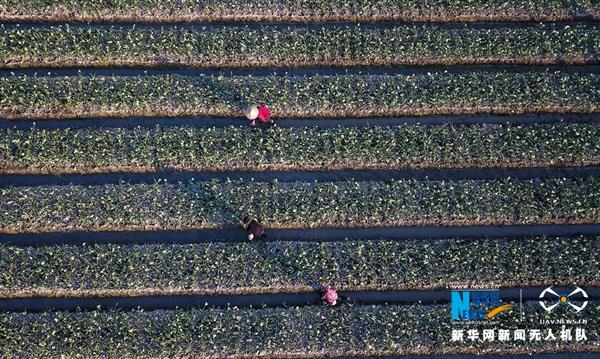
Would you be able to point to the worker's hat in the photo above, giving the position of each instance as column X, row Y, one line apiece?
column 251, row 112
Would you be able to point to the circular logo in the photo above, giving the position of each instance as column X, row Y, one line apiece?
column 560, row 299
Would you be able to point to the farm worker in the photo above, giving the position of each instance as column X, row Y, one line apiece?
column 253, row 228
column 264, row 113
column 330, row 295
column 252, row 114
column 260, row 112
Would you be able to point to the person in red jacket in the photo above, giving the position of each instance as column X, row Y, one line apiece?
column 253, row 228
column 330, row 296
column 264, row 113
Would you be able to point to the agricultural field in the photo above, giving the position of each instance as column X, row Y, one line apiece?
column 339, row 96
column 278, row 332
column 299, row 46
column 178, row 148
column 141, row 269
column 297, row 10
column 213, row 204
column 421, row 153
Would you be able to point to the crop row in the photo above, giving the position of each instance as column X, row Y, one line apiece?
column 246, row 47
column 209, row 268
column 330, row 96
column 294, row 10
column 310, row 331
column 298, row 204
column 309, row 148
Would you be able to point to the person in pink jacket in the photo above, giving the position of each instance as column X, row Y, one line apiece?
column 330, row 296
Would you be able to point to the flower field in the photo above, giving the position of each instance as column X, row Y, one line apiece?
column 272, row 267
column 305, row 148
column 422, row 157
column 330, row 96
column 342, row 45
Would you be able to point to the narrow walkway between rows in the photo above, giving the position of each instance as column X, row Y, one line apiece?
column 308, row 234
column 266, row 300
column 219, row 122
column 299, row 176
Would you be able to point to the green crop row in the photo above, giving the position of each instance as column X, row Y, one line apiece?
column 242, row 148
column 130, row 270
column 298, row 204
column 245, row 47
column 332, row 96
column 294, row 10
column 301, row 332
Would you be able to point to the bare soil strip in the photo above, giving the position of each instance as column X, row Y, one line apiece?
column 62, row 113
column 437, row 173
column 273, row 299
column 322, row 234
column 149, row 122
column 571, row 220
column 16, row 170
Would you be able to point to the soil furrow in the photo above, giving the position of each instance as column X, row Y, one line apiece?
column 61, row 113
column 303, row 234
column 296, row 176
column 39, row 304
column 149, row 122
column 430, row 293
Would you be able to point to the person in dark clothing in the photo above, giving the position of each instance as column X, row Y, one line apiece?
column 253, row 228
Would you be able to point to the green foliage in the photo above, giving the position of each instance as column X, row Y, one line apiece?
column 336, row 96
column 189, row 10
column 244, row 46
column 191, row 148
column 298, row 204
column 376, row 329
column 347, row 264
